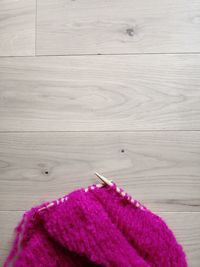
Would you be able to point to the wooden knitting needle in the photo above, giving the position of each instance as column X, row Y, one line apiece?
column 103, row 179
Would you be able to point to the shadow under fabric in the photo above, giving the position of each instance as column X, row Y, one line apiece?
column 100, row 226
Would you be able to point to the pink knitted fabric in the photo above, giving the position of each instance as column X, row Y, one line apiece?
column 97, row 226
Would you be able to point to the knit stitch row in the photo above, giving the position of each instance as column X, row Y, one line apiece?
column 113, row 185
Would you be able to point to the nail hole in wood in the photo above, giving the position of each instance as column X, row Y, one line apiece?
column 130, row 31
column 122, row 150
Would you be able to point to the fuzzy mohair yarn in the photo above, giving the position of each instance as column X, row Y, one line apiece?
column 96, row 226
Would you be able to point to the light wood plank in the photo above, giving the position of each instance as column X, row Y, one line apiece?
column 8, row 221
column 186, row 227
column 161, row 169
column 98, row 93
column 130, row 26
column 17, row 31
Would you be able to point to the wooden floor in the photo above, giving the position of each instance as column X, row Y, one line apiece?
column 107, row 86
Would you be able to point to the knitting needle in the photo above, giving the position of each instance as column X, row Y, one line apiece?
column 103, row 179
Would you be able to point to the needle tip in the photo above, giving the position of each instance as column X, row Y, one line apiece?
column 104, row 179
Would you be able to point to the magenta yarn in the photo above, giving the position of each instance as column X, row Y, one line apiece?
column 96, row 226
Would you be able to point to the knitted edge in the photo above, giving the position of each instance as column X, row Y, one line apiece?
column 121, row 192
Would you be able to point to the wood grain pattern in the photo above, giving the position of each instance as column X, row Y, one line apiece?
column 180, row 223
column 130, row 26
column 100, row 93
column 161, row 169
column 134, row 117
column 17, row 31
